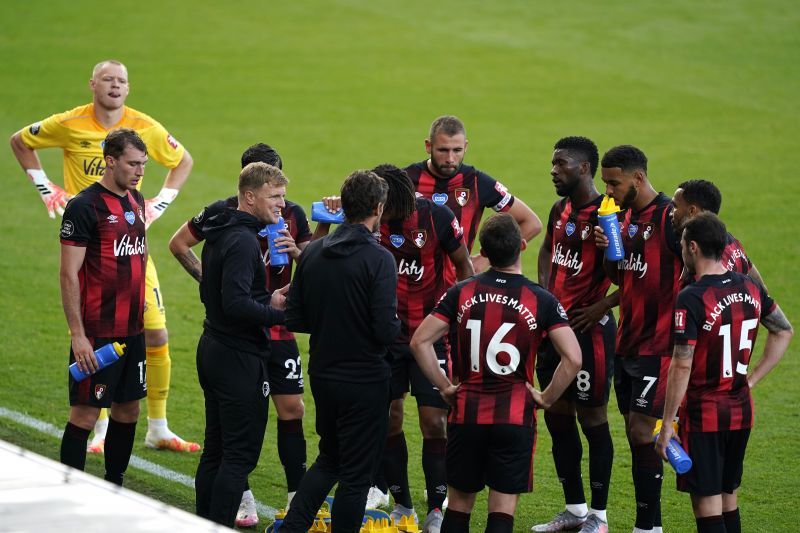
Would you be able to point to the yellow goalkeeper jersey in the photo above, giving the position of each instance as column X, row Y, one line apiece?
column 78, row 133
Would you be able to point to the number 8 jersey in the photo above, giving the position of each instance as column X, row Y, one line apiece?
column 719, row 315
column 497, row 321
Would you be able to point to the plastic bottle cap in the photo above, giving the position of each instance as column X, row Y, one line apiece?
column 119, row 348
column 608, row 206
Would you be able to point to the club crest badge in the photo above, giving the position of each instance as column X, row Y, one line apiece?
column 586, row 230
column 397, row 240
column 649, row 228
column 570, row 228
column 130, row 217
column 632, row 229
column 100, row 391
column 265, row 388
column 462, row 196
column 420, row 237
column 439, row 198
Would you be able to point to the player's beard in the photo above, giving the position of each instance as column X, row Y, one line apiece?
column 444, row 172
column 629, row 198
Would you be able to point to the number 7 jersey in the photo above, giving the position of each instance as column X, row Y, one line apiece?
column 719, row 315
column 497, row 321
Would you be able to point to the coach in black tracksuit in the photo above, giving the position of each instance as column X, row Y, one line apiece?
column 344, row 295
column 233, row 350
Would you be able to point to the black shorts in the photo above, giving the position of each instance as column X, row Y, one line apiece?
column 640, row 383
column 405, row 372
column 592, row 385
column 120, row 382
column 717, row 461
column 497, row 455
column 285, row 369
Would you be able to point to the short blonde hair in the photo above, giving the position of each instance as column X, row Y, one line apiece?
column 255, row 175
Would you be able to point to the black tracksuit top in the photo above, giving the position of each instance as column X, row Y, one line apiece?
column 233, row 286
column 344, row 294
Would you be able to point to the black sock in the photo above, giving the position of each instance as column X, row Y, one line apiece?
column 455, row 522
column 567, row 452
column 433, row 466
column 292, row 451
column 648, row 475
column 733, row 522
column 380, row 482
column 395, row 469
column 119, row 445
column 710, row 524
column 499, row 523
column 601, row 457
column 73, row 446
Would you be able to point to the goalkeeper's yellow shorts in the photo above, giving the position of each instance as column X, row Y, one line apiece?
column 155, row 316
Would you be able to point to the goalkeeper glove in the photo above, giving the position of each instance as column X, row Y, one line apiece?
column 155, row 207
column 54, row 197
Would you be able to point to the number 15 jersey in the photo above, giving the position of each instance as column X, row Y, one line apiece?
column 719, row 315
column 497, row 321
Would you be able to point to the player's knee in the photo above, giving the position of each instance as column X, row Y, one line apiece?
column 592, row 416
column 289, row 407
column 156, row 337
column 83, row 416
column 127, row 412
column 641, row 431
column 433, row 423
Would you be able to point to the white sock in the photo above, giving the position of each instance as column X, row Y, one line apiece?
column 157, row 423
column 248, row 495
column 289, row 498
column 100, row 428
column 657, row 529
column 578, row 509
column 599, row 514
column 637, row 530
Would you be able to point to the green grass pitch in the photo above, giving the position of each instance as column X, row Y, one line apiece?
column 706, row 89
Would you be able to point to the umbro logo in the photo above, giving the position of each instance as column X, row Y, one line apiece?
column 85, row 144
column 112, row 219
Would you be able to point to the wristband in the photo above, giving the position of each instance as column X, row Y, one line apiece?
column 37, row 176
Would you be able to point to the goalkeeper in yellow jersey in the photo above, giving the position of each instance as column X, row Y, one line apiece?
column 80, row 133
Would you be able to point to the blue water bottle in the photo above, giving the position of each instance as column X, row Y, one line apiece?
column 106, row 355
column 676, row 455
column 276, row 258
column 319, row 213
column 607, row 218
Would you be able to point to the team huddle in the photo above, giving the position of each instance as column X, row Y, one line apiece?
column 394, row 303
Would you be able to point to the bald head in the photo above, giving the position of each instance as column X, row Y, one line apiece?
column 98, row 68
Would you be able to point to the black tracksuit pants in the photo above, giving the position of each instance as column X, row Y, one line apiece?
column 236, row 392
column 352, row 419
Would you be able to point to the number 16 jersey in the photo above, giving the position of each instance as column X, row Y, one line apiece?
column 497, row 321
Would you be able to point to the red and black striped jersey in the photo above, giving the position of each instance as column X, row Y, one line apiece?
column 719, row 315
column 420, row 244
column 497, row 321
column 296, row 222
column 466, row 194
column 649, row 276
column 111, row 228
column 733, row 258
column 577, row 277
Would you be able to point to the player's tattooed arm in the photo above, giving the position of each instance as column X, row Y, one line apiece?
column 683, row 351
column 776, row 321
column 191, row 264
column 780, row 334
column 181, row 247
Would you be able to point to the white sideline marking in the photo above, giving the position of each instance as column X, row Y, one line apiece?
column 136, row 461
